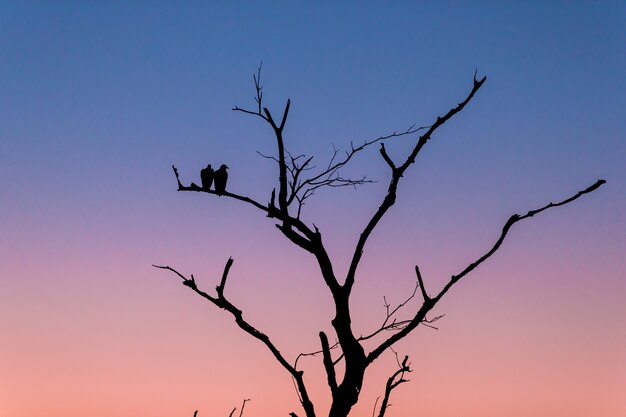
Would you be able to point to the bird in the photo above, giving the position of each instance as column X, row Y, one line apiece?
column 221, row 176
column 206, row 176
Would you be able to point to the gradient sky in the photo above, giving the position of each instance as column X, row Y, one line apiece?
column 97, row 100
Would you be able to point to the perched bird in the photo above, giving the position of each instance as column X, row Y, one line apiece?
column 206, row 176
column 221, row 176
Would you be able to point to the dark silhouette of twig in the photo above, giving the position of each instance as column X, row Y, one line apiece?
column 392, row 383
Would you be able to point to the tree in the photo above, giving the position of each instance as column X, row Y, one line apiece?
column 298, row 181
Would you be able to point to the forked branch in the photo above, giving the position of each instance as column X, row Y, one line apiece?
column 222, row 302
column 396, row 175
column 429, row 303
column 195, row 187
column 302, row 238
column 392, row 383
column 292, row 186
column 505, row 230
column 390, row 322
column 330, row 177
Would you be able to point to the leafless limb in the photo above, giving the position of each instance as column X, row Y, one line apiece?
column 194, row 187
column 375, row 406
column 243, row 405
column 390, row 323
column 303, row 238
column 328, row 363
column 392, row 383
column 222, row 302
column 296, row 189
column 300, row 190
column 273, row 158
column 396, row 175
column 258, row 98
column 304, row 355
column 505, row 230
column 429, row 303
column 220, row 288
column 315, row 353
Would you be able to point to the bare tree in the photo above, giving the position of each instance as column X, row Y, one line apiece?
column 298, row 180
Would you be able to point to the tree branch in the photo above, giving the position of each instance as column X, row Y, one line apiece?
column 259, row 96
column 222, row 302
column 243, row 405
column 317, row 352
column 396, row 174
column 394, row 380
column 329, row 177
column 429, row 303
column 194, row 187
column 420, row 282
column 505, row 230
column 306, row 238
column 220, row 288
column 328, row 363
column 271, row 210
column 386, row 157
column 285, row 113
column 389, row 313
column 440, row 121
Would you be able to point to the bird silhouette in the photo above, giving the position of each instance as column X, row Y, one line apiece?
column 206, row 176
column 221, row 176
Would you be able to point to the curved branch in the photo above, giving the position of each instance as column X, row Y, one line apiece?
column 243, row 405
column 394, row 380
column 259, row 96
column 220, row 288
column 429, row 303
column 282, row 165
column 288, row 221
column 389, row 313
column 383, row 153
column 333, row 167
column 440, row 121
column 396, row 174
column 194, row 187
column 505, row 230
column 222, row 302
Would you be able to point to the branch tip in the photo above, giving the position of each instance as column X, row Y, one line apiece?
column 328, row 363
column 420, row 282
column 220, row 287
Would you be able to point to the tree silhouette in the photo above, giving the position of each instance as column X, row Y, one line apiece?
column 298, row 181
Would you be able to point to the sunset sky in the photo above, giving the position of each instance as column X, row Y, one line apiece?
column 99, row 99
